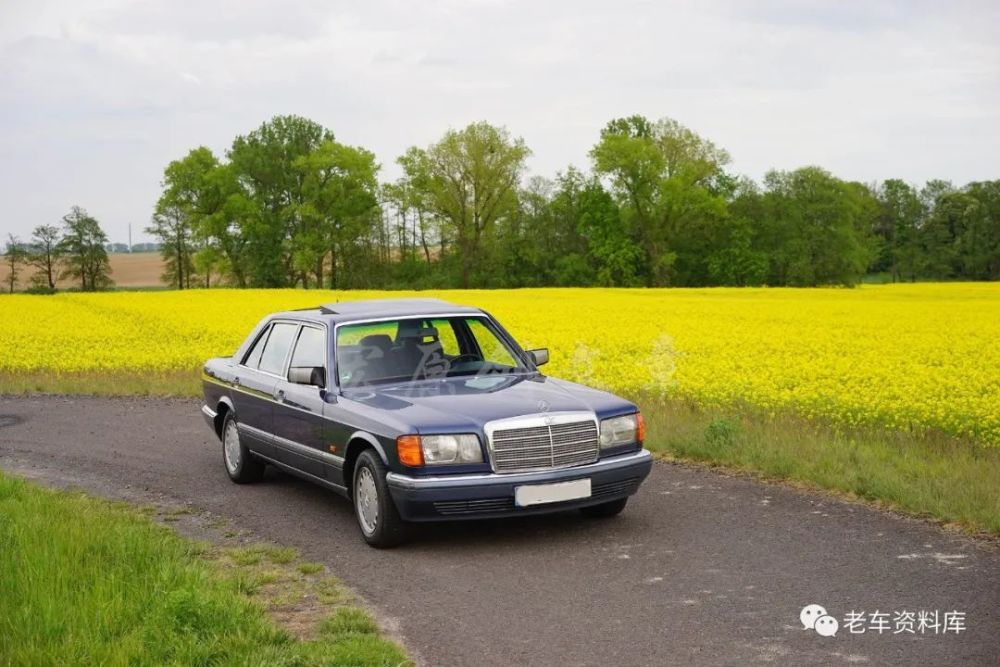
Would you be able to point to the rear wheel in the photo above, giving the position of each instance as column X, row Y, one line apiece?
column 605, row 510
column 241, row 465
column 380, row 523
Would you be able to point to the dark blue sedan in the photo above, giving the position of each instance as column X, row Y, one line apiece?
column 420, row 410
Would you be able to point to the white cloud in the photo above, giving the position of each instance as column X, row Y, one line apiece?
column 97, row 97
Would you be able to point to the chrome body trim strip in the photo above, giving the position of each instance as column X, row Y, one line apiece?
column 304, row 475
column 254, row 431
column 309, row 452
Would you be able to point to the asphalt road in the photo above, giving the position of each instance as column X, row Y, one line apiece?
column 701, row 569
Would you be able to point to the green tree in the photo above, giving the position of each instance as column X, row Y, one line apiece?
column 226, row 212
column 738, row 257
column 44, row 255
column 665, row 177
column 82, row 245
column 263, row 163
column 901, row 214
column 15, row 257
column 172, row 227
column 816, row 228
column 180, row 220
column 470, row 180
column 981, row 243
column 412, row 195
column 614, row 258
column 961, row 237
column 338, row 204
column 520, row 253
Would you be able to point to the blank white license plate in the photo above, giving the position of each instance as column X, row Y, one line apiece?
column 539, row 494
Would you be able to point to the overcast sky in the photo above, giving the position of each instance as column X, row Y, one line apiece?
column 96, row 97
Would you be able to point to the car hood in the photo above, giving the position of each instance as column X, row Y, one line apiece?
column 463, row 403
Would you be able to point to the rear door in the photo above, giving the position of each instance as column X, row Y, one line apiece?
column 300, row 431
column 256, row 384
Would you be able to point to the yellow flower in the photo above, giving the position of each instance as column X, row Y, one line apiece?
column 905, row 356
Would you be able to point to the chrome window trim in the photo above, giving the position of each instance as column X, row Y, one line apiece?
column 291, row 348
column 535, row 421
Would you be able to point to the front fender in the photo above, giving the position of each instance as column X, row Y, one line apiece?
column 371, row 440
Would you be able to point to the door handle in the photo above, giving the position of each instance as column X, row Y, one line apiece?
column 279, row 395
column 236, row 382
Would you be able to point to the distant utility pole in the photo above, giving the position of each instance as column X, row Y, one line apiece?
column 130, row 238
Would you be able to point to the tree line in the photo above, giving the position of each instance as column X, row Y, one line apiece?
column 288, row 205
column 77, row 251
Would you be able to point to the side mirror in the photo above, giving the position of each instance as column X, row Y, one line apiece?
column 540, row 356
column 315, row 376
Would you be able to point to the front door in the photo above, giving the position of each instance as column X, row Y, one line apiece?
column 299, row 426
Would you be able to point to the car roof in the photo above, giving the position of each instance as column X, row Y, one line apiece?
column 348, row 311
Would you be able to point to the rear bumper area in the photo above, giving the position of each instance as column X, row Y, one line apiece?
column 452, row 497
column 209, row 415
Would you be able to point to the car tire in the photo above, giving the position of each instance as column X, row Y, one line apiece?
column 605, row 510
column 241, row 465
column 374, row 510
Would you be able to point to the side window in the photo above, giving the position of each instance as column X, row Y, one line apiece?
column 493, row 350
column 447, row 337
column 276, row 349
column 253, row 356
column 310, row 351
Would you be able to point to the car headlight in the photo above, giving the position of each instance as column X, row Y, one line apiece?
column 623, row 430
column 440, row 449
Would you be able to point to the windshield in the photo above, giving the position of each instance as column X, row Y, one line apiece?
column 421, row 348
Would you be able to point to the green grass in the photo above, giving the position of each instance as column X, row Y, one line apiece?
column 924, row 474
column 931, row 475
column 85, row 581
column 256, row 554
column 310, row 568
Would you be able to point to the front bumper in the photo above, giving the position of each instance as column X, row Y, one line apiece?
column 449, row 497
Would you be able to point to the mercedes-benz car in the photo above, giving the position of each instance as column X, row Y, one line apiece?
column 420, row 410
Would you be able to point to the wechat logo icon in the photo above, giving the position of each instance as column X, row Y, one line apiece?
column 814, row 617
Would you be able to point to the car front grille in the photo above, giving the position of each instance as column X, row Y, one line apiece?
column 558, row 445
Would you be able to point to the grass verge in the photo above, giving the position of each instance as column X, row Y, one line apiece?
column 87, row 581
column 931, row 475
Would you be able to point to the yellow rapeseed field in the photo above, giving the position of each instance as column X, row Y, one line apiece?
column 906, row 356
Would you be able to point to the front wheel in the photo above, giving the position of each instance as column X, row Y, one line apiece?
column 241, row 465
column 380, row 523
column 605, row 510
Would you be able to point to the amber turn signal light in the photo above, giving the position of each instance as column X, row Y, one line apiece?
column 641, row 430
column 409, row 450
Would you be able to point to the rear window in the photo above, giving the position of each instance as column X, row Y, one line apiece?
column 253, row 357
